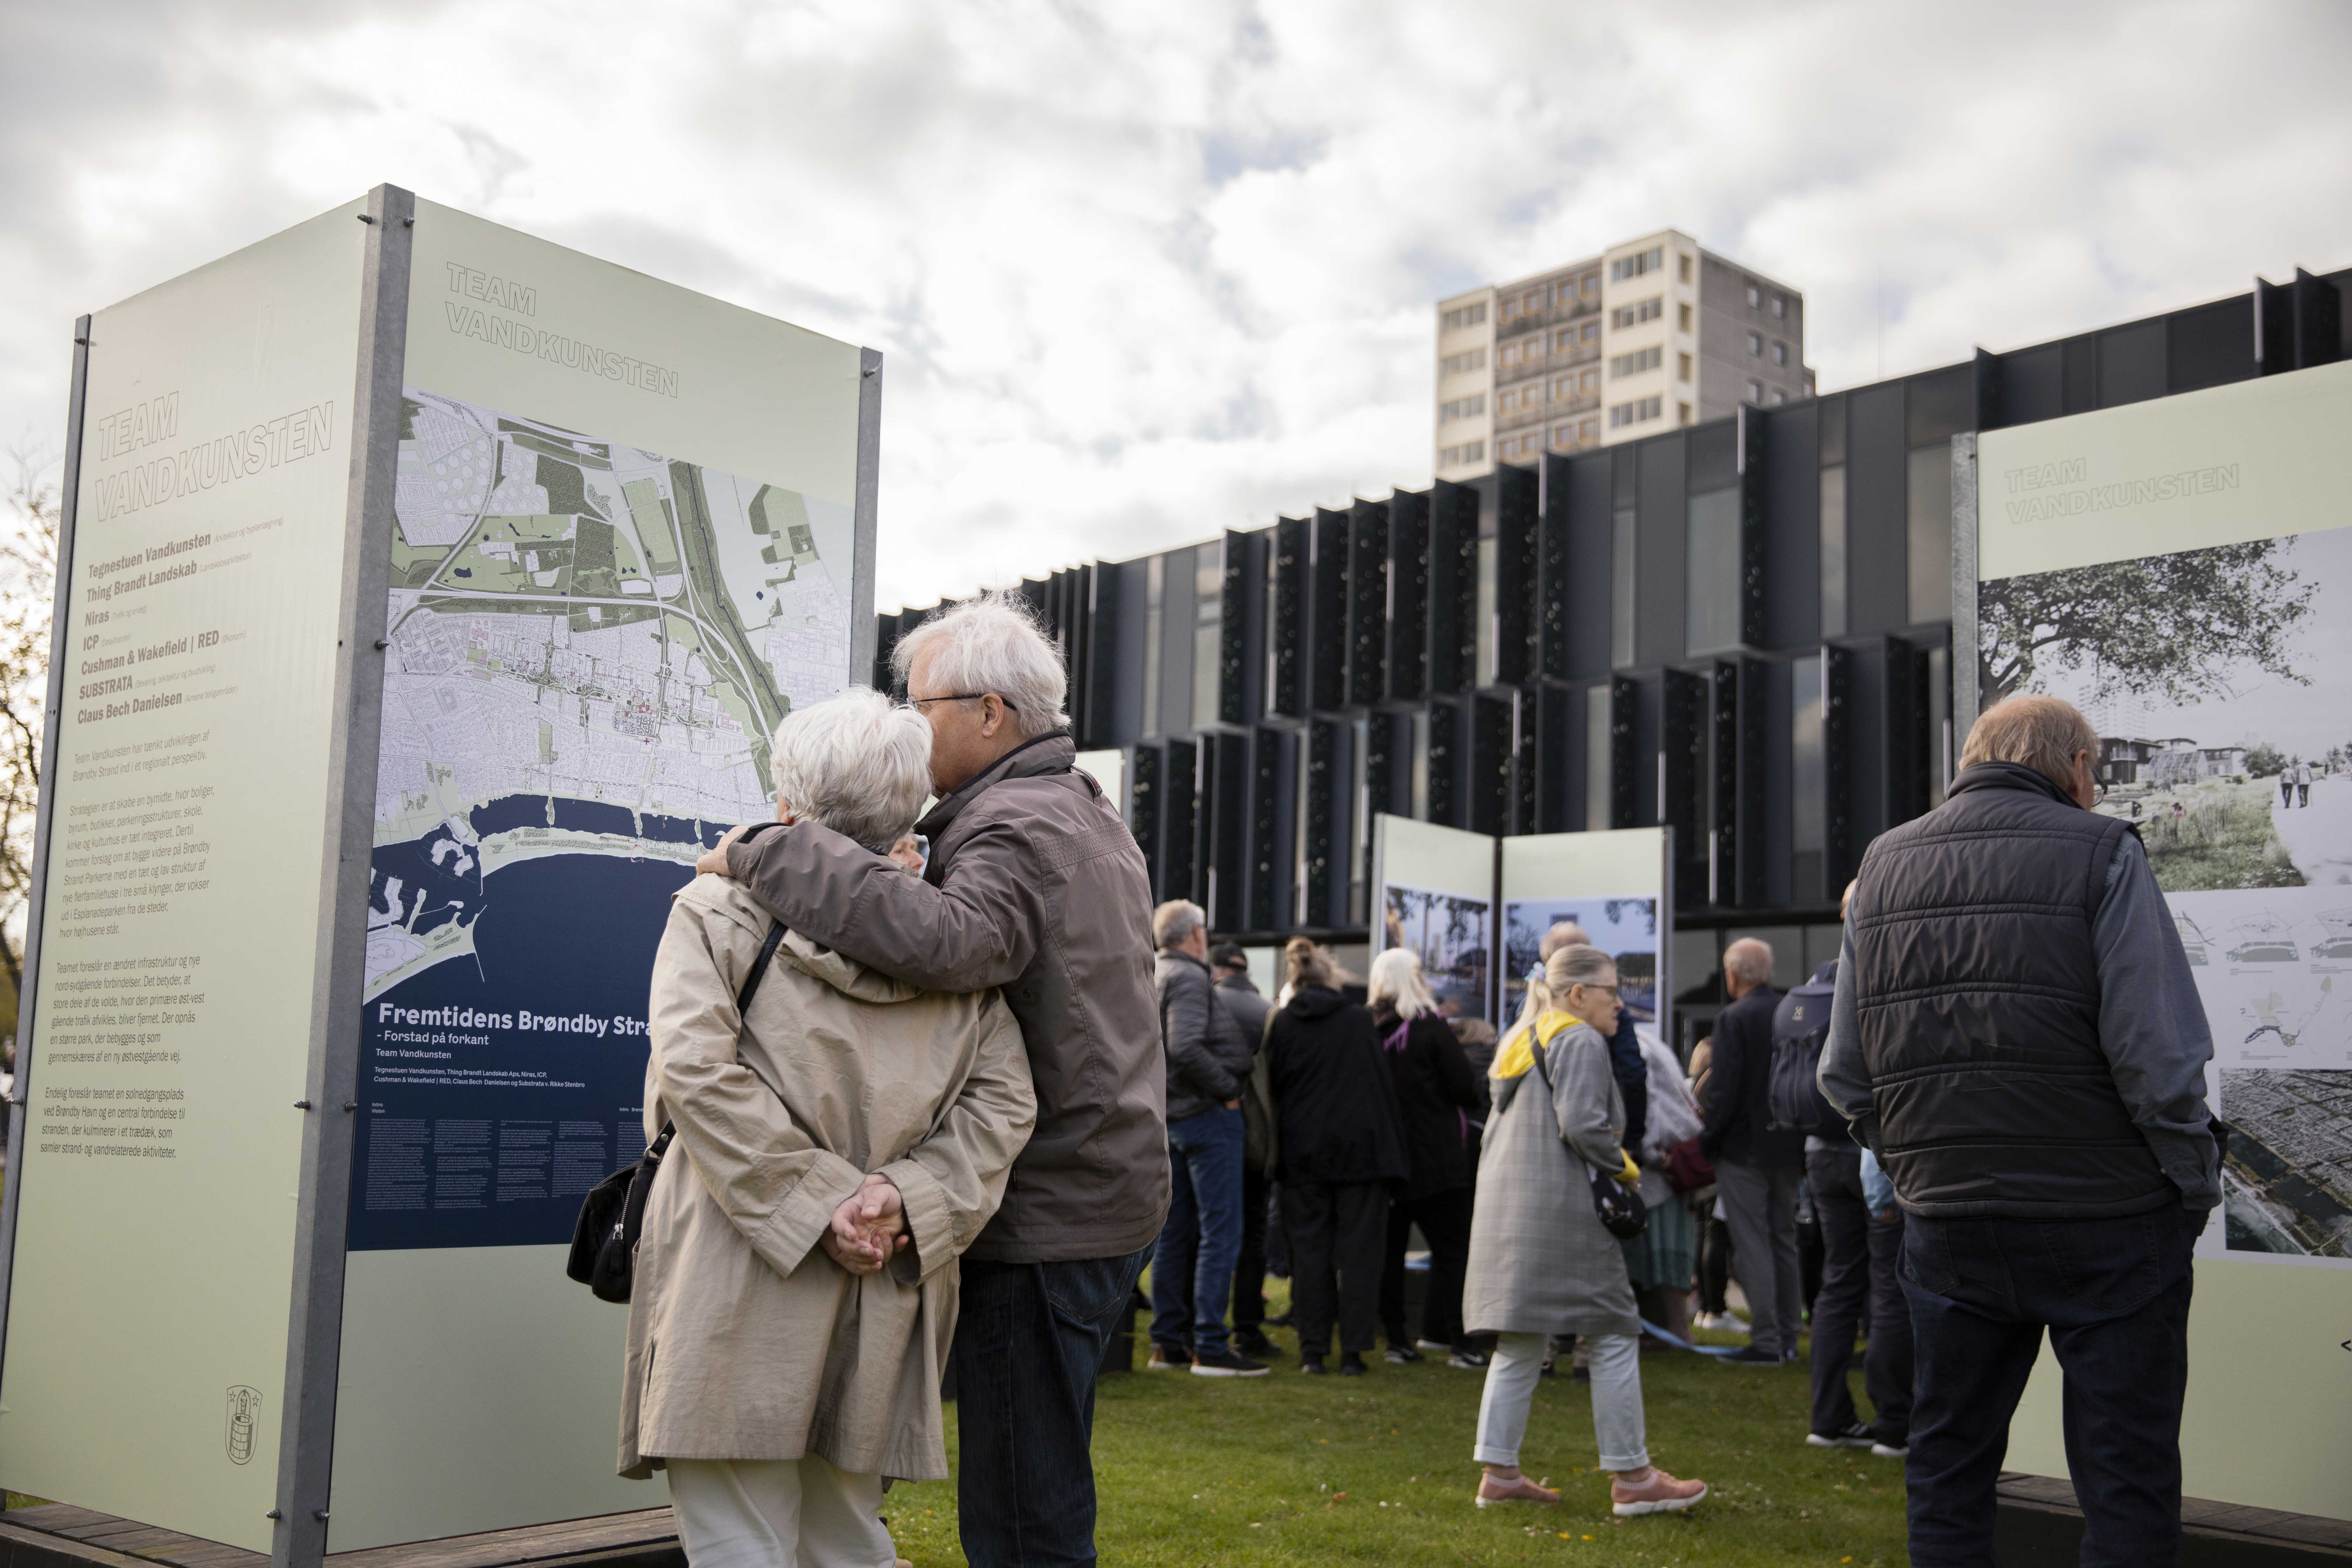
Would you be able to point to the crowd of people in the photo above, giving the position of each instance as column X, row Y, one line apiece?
column 945, row 1088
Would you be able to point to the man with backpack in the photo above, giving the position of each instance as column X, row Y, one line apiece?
column 1757, row 1164
column 1861, row 1245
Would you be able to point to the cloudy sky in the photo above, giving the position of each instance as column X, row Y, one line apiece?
column 1145, row 272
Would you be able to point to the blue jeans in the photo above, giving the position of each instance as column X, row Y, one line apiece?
column 1193, row 1267
column 1028, row 1344
column 2115, row 1296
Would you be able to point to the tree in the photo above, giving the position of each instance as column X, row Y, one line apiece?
column 2264, row 761
column 28, row 561
column 2169, row 624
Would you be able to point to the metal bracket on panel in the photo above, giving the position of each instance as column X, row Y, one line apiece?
column 301, row 1105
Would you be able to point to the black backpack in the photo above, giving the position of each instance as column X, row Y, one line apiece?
column 1801, row 1027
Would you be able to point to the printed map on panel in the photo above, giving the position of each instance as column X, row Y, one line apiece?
column 590, row 645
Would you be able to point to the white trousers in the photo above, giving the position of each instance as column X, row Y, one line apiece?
column 1511, row 1377
column 765, row 1513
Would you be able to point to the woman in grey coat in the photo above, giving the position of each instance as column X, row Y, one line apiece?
column 1541, row 1263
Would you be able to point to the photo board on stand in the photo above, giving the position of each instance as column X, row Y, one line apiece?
column 1437, row 897
column 2182, row 571
column 1614, row 885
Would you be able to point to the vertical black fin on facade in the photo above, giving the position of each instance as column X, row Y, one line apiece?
column 1408, row 581
column 1453, row 588
column 1368, row 602
column 1517, row 494
column 1328, row 614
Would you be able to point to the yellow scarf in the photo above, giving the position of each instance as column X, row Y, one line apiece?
column 1518, row 1055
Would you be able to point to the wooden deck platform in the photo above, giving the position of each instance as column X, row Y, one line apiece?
column 2042, row 1524
column 58, row 1535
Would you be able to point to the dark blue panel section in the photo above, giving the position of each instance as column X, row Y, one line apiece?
column 495, row 1089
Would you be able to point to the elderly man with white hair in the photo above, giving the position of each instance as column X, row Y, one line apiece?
column 1035, row 885
column 833, row 1139
column 1757, row 1163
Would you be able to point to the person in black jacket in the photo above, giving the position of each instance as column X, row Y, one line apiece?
column 1436, row 1093
column 1230, row 965
column 1340, row 1146
column 1757, row 1165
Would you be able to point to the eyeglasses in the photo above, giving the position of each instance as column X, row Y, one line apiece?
column 1611, row 989
column 960, row 696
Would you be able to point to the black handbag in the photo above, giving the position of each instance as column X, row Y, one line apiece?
column 1622, row 1213
column 605, row 1240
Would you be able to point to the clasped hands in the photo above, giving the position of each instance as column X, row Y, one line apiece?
column 868, row 1227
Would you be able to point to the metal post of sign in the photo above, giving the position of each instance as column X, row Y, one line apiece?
column 315, row 1319
column 863, row 631
column 54, row 696
column 1964, row 593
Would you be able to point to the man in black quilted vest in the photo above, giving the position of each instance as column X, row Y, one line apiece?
column 2017, row 1035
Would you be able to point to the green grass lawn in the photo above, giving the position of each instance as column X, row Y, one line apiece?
column 1292, row 1470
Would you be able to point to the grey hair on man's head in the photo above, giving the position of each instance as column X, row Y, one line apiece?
column 992, row 643
column 1173, row 923
column 1567, row 933
column 2044, row 734
column 858, row 764
column 1749, row 960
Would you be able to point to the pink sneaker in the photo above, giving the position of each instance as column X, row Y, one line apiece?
column 1493, row 1493
column 1660, row 1494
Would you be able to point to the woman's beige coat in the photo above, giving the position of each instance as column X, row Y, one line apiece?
column 746, row 1340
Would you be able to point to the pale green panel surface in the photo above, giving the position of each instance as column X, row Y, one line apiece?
column 2280, row 439
column 2268, row 1420
column 147, row 1288
column 754, row 396
column 421, row 1452
column 1109, row 770
column 1625, row 861
column 1440, row 859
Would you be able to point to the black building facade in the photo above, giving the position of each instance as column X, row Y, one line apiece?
column 1741, row 628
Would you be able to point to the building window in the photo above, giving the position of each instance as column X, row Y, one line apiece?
column 1626, row 266
column 1755, row 344
column 1635, row 315
column 1779, row 305
column 1464, row 316
column 1508, row 354
column 1588, row 429
column 1779, row 354
column 1682, row 367
column 1686, row 273
column 1591, row 382
column 1593, row 283
column 1589, row 330
column 1565, row 340
column 1779, row 398
column 1455, row 364
column 1563, row 434
column 1711, row 609
column 1681, row 318
column 1687, row 416
column 1462, row 408
column 1639, row 411
column 1834, row 549
column 1565, row 294
column 1469, row 452
column 1532, row 300
column 1621, row 587
column 1755, row 295
column 1755, row 391
column 1636, row 362
column 1809, row 775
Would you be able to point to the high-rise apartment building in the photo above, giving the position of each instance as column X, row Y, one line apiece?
column 1653, row 333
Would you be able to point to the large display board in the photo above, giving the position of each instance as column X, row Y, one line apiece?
column 165, row 1036
column 2182, row 571
column 1437, row 897
column 438, row 588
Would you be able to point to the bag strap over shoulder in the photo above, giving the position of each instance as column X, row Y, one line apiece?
column 660, row 1145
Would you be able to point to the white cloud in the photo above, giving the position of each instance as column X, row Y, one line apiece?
column 1143, row 273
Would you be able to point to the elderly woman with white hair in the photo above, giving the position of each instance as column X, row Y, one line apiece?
column 1436, row 1095
column 839, row 1139
column 1541, row 1261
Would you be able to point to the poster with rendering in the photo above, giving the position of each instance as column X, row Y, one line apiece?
column 1626, row 928
column 591, row 644
column 2218, row 677
column 1453, row 934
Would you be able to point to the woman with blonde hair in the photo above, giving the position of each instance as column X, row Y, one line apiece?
column 1436, row 1094
column 1338, row 1147
column 1541, row 1263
